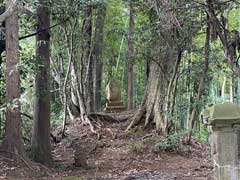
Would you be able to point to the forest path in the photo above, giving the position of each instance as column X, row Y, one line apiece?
column 116, row 155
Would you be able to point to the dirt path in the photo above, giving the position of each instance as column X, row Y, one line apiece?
column 118, row 156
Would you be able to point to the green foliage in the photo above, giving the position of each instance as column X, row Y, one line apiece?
column 202, row 135
column 153, row 36
column 171, row 143
column 56, row 115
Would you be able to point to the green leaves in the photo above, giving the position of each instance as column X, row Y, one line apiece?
column 171, row 143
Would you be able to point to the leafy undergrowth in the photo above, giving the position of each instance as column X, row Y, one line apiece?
column 117, row 155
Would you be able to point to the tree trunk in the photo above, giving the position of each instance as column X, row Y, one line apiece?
column 88, row 60
column 195, row 110
column 40, row 143
column 170, row 98
column 77, row 103
column 238, row 91
column 131, row 56
column 97, row 55
column 13, row 137
column 223, row 87
column 231, row 92
column 165, row 56
column 156, row 106
column 190, row 92
column 154, row 102
column 65, row 93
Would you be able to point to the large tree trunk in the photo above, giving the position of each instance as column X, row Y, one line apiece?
column 40, row 143
column 154, row 105
column 97, row 55
column 130, row 56
column 195, row 110
column 88, row 60
column 158, row 102
column 13, row 138
column 159, row 94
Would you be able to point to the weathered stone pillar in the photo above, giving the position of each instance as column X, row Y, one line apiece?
column 224, row 127
column 113, row 93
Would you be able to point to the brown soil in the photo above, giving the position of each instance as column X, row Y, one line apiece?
column 115, row 155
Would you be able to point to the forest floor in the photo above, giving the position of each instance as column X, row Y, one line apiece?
column 115, row 155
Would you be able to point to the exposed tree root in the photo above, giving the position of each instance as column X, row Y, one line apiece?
column 97, row 120
column 112, row 118
column 33, row 166
column 23, row 159
column 102, row 117
column 137, row 117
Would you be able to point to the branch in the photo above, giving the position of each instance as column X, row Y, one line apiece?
column 11, row 8
column 43, row 30
column 23, row 8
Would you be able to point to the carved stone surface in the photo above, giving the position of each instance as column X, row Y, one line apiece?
column 224, row 120
column 113, row 90
column 113, row 93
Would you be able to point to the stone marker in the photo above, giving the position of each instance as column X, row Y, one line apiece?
column 224, row 122
column 113, row 92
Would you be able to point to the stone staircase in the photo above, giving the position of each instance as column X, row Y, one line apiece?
column 114, row 107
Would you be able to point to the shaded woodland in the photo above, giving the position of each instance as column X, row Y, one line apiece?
column 80, row 78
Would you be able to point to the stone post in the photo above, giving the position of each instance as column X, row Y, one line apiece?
column 224, row 127
column 113, row 93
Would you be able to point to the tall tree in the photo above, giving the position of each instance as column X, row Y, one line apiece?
column 13, row 139
column 196, row 110
column 40, row 143
column 131, row 55
column 87, row 58
column 171, row 35
column 97, row 54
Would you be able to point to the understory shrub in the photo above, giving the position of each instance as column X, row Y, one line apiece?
column 171, row 143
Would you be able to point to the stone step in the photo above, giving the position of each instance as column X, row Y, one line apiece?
column 115, row 103
column 114, row 109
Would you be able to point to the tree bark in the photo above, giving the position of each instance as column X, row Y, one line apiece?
column 88, row 60
column 131, row 56
column 11, row 9
column 165, row 54
column 13, row 136
column 153, row 107
column 231, row 91
column 40, row 142
column 238, row 91
column 156, row 107
column 195, row 110
column 65, row 93
column 97, row 55
column 223, row 87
